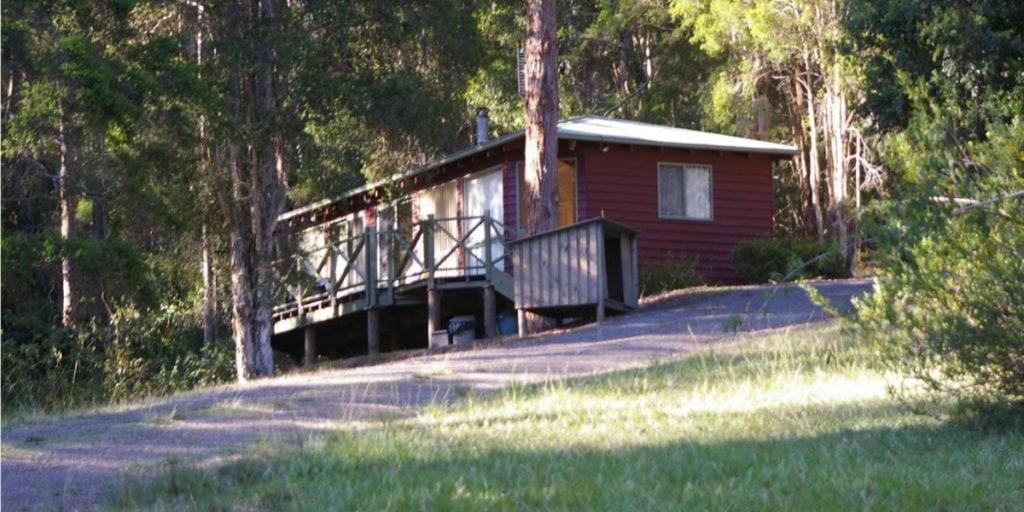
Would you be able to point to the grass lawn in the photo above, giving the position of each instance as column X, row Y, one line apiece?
column 797, row 421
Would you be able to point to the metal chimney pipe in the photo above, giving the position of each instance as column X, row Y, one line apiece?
column 482, row 121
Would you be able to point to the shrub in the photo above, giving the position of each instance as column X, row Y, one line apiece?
column 672, row 273
column 949, row 305
column 140, row 353
column 767, row 259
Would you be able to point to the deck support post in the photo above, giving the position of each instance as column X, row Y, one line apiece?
column 490, row 313
column 373, row 331
column 394, row 332
column 521, row 320
column 433, row 311
column 433, row 295
column 309, row 348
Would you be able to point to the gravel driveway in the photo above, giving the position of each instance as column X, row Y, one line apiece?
column 74, row 462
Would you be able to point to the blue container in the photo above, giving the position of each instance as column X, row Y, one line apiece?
column 507, row 323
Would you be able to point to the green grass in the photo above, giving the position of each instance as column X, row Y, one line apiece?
column 790, row 422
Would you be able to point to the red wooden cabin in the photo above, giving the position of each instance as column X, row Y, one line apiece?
column 395, row 245
column 690, row 194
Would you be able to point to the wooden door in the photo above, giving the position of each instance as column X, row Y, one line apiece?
column 566, row 195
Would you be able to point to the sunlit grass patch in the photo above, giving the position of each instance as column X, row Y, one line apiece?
column 797, row 420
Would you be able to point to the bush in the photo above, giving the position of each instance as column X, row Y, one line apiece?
column 949, row 306
column 138, row 354
column 672, row 273
column 107, row 272
column 769, row 259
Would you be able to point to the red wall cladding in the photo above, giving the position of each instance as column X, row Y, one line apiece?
column 623, row 183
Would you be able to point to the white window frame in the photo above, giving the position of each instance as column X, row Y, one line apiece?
column 663, row 166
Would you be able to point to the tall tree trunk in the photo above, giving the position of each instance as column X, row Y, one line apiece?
column 209, row 297
column 206, row 263
column 99, row 217
column 814, row 162
column 67, row 221
column 798, row 127
column 258, row 184
column 838, row 151
column 540, row 172
column 630, row 62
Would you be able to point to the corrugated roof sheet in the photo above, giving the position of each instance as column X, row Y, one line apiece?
column 602, row 129
column 595, row 129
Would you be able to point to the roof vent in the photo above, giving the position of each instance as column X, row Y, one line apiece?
column 482, row 128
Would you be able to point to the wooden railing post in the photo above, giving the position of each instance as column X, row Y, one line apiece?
column 428, row 249
column 370, row 287
column 490, row 304
column 393, row 273
column 370, row 249
column 299, row 293
column 488, row 256
column 333, row 285
column 433, row 296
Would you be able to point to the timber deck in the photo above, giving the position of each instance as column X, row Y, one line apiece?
column 380, row 269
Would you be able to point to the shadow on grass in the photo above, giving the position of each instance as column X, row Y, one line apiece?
column 861, row 465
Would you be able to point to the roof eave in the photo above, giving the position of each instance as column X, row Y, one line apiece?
column 781, row 150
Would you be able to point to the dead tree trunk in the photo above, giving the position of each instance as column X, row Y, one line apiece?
column 540, row 172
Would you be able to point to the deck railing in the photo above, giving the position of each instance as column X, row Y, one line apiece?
column 376, row 264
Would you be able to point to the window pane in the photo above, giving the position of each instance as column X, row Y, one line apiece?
column 670, row 191
column 698, row 192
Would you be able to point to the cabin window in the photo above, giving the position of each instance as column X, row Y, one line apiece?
column 684, row 191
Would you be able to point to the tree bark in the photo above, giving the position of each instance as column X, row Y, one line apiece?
column 209, row 297
column 540, row 171
column 814, row 162
column 257, row 169
column 67, row 222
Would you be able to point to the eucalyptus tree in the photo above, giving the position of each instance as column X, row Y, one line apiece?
column 71, row 98
column 541, row 109
column 783, row 62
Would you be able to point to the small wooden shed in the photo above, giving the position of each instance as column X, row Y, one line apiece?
column 590, row 266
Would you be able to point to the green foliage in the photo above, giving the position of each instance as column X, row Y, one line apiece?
column 675, row 272
column 949, row 310
column 130, row 348
column 958, row 48
column 136, row 354
column 109, row 272
column 769, row 259
column 946, row 84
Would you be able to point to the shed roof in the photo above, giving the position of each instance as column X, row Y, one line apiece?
column 593, row 129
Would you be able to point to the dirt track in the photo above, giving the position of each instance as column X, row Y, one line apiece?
column 73, row 463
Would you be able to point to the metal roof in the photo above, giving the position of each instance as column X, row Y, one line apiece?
column 588, row 128
column 602, row 129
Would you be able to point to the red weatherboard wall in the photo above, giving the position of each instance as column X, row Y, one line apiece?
column 624, row 184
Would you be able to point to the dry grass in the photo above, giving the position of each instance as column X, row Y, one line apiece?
column 798, row 421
